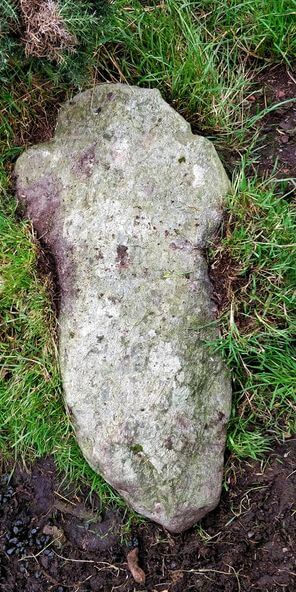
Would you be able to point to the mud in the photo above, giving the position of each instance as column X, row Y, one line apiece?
column 245, row 544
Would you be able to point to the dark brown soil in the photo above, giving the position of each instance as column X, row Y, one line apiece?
column 52, row 542
column 225, row 273
column 278, row 140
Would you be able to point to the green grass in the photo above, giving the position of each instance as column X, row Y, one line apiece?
column 169, row 47
column 262, row 28
column 199, row 55
column 258, row 329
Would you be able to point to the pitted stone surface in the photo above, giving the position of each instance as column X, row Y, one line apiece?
column 126, row 197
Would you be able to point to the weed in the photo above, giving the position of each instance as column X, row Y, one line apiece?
column 46, row 34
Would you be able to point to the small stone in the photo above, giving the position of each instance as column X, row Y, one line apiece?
column 280, row 94
column 127, row 198
column 10, row 551
column 284, row 138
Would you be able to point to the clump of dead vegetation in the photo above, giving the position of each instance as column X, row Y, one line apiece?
column 46, row 34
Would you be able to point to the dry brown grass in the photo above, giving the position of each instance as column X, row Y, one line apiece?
column 45, row 31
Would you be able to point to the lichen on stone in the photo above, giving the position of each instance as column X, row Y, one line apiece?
column 131, row 200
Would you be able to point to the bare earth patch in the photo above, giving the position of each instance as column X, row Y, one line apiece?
column 278, row 151
column 51, row 541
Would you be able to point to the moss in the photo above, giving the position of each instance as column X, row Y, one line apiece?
column 136, row 448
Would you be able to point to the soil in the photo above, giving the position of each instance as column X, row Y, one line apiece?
column 50, row 540
column 278, row 128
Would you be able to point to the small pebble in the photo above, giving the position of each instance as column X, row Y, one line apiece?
column 134, row 541
column 10, row 551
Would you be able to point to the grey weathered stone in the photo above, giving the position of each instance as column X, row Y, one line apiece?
column 127, row 197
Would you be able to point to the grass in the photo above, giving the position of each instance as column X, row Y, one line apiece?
column 201, row 56
column 258, row 329
column 197, row 54
column 169, row 49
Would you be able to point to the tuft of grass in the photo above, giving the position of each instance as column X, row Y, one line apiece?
column 265, row 29
column 258, row 326
column 83, row 21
